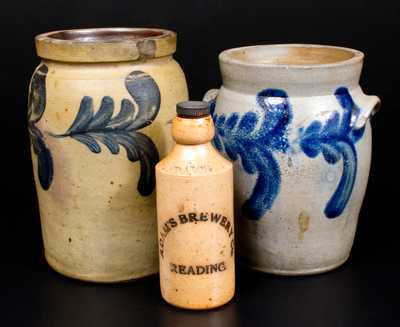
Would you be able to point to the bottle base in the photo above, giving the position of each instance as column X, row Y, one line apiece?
column 200, row 307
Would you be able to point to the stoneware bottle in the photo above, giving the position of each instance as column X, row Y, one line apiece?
column 99, row 107
column 295, row 121
column 195, row 215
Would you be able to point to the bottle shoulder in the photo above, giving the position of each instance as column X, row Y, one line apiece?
column 196, row 160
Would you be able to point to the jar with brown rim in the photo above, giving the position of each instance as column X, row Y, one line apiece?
column 99, row 108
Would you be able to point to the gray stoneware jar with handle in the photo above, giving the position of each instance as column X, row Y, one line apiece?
column 100, row 103
column 295, row 121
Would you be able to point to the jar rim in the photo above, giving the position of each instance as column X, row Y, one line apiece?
column 113, row 44
column 291, row 56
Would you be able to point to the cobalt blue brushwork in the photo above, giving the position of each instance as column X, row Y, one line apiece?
column 36, row 108
column 254, row 138
column 336, row 139
column 122, row 129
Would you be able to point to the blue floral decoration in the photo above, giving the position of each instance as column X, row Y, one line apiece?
column 90, row 128
column 336, row 139
column 36, row 108
column 254, row 138
column 123, row 129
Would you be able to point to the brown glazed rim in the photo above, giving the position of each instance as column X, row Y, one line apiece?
column 294, row 56
column 112, row 44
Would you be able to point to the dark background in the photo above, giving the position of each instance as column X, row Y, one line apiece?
column 364, row 292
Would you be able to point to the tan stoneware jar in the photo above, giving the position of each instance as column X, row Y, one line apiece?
column 100, row 104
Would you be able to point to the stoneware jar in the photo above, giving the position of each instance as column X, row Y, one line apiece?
column 295, row 121
column 100, row 104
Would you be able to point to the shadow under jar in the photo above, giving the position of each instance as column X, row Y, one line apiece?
column 98, row 112
column 295, row 121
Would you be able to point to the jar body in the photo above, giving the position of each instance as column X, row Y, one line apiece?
column 299, row 183
column 97, row 131
column 295, row 121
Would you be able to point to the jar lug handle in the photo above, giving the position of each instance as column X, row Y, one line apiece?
column 370, row 106
column 210, row 95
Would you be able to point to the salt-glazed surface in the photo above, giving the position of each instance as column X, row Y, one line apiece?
column 99, row 107
column 295, row 121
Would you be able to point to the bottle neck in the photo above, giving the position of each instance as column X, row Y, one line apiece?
column 193, row 131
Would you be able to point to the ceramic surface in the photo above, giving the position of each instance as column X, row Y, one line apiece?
column 99, row 109
column 295, row 121
column 195, row 219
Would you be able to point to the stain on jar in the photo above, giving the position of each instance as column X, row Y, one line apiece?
column 147, row 49
column 290, row 162
column 304, row 221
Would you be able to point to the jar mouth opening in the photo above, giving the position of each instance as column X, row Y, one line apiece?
column 104, row 35
column 111, row 44
column 302, row 56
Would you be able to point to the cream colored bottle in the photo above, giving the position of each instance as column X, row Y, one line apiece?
column 195, row 215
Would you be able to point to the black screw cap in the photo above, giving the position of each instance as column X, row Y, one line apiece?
column 192, row 109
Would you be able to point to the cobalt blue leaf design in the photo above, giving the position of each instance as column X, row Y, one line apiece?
column 336, row 140
column 36, row 108
column 254, row 138
column 90, row 128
